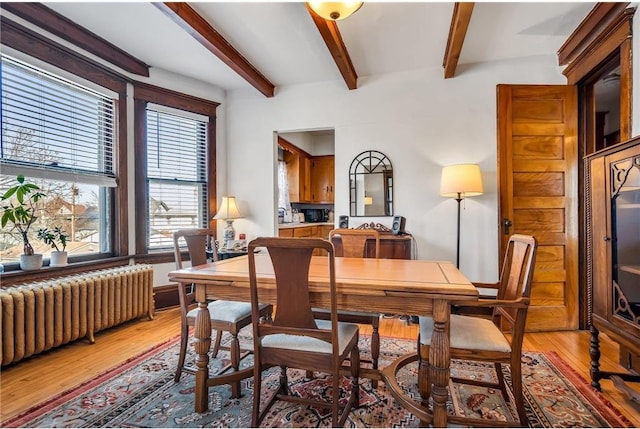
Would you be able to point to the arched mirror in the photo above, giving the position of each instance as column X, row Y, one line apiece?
column 371, row 185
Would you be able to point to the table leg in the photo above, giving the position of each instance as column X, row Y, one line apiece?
column 439, row 358
column 202, row 345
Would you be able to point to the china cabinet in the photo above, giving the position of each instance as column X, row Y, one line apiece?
column 613, row 254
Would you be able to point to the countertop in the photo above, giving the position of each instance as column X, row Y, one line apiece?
column 301, row 224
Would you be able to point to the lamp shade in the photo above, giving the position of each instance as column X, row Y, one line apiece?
column 334, row 11
column 461, row 180
column 228, row 209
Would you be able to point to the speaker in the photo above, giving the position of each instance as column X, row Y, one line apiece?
column 343, row 222
column 397, row 227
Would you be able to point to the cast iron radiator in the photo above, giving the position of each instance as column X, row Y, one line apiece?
column 38, row 316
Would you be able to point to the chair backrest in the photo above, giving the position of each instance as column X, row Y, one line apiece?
column 199, row 242
column 291, row 261
column 354, row 241
column 515, row 280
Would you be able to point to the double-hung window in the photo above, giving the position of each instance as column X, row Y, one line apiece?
column 176, row 173
column 60, row 135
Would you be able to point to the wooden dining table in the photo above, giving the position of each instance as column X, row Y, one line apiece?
column 395, row 286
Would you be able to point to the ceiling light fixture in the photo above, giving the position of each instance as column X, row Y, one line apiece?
column 334, row 11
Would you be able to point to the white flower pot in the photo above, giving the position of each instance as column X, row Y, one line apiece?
column 31, row 262
column 58, row 258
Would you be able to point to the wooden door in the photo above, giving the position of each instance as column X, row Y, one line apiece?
column 538, row 189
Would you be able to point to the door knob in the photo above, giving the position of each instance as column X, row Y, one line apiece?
column 506, row 224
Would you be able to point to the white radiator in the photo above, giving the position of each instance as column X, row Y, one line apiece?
column 38, row 316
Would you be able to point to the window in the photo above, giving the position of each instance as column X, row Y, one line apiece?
column 176, row 174
column 60, row 135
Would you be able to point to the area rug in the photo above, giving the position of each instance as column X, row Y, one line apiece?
column 142, row 393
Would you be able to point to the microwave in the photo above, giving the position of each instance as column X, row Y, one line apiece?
column 315, row 215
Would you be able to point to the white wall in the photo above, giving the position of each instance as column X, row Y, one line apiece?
column 418, row 119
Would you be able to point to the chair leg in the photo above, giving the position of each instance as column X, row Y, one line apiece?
column 424, row 374
column 184, row 337
column 355, row 377
column 501, row 383
column 284, row 381
column 335, row 405
column 235, row 362
column 375, row 347
column 257, row 393
column 216, row 347
column 518, row 395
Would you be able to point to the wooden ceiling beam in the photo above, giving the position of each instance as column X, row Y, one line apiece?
column 457, row 32
column 332, row 38
column 194, row 24
column 54, row 23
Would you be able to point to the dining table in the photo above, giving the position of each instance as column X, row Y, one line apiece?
column 390, row 286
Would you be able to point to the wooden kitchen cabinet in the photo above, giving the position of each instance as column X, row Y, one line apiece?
column 322, row 179
column 613, row 254
column 298, row 176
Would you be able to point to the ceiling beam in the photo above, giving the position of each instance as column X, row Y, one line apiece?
column 194, row 24
column 457, row 32
column 332, row 38
column 54, row 23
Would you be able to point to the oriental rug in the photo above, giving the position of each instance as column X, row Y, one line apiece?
column 142, row 393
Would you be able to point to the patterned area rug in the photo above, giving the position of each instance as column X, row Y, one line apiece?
column 142, row 393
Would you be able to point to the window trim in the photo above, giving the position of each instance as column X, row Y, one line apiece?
column 143, row 94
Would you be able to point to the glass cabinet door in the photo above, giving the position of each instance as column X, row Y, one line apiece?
column 626, row 239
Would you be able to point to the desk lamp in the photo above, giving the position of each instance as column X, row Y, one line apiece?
column 228, row 211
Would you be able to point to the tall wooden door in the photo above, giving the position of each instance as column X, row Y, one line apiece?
column 538, row 189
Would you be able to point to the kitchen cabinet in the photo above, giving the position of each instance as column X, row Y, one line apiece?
column 322, row 179
column 298, row 176
column 613, row 254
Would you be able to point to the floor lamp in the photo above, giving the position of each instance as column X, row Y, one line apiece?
column 460, row 181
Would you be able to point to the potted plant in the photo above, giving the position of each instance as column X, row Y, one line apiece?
column 21, row 213
column 54, row 238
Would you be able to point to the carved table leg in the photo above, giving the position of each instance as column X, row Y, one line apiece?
column 202, row 345
column 594, row 352
column 439, row 359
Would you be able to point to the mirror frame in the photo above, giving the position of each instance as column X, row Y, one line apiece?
column 368, row 162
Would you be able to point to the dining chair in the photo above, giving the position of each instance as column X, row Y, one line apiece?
column 294, row 338
column 481, row 339
column 230, row 316
column 354, row 245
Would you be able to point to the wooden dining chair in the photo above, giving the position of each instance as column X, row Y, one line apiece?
column 480, row 339
column 294, row 338
column 354, row 245
column 230, row 316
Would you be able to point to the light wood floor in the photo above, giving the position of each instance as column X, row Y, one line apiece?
column 34, row 380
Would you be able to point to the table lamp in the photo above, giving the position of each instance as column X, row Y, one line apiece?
column 460, row 181
column 228, row 211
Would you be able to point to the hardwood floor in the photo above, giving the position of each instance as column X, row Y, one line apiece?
column 34, row 380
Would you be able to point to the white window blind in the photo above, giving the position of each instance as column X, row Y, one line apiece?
column 51, row 125
column 60, row 135
column 176, row 175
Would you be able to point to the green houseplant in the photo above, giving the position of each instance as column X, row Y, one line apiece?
column 57, row 239
column 19, row 210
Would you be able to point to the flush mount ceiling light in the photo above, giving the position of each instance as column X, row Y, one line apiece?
column 334, row 11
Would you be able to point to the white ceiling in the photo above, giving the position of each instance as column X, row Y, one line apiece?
column 282, row 42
